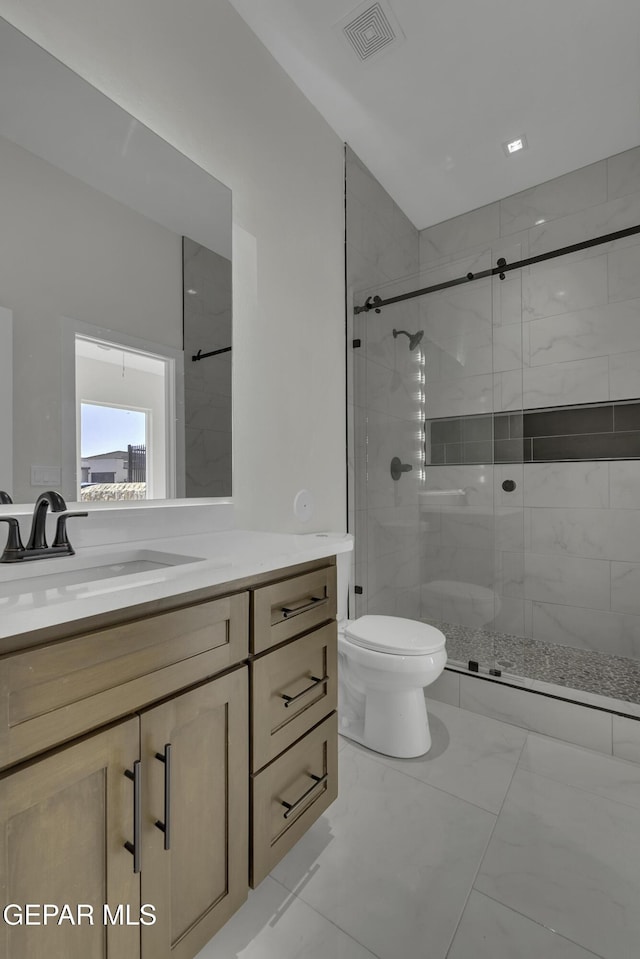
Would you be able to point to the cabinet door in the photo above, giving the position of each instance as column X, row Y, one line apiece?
column 201, row 795
column 64, row 820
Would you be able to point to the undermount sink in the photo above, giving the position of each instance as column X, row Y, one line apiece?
column 65, row 578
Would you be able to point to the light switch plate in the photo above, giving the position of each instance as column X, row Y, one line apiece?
column 50, row 476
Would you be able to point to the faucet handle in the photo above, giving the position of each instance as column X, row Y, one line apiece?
column 14, row 542
column 61, row 538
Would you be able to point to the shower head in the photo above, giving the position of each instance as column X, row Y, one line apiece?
column 414, row 338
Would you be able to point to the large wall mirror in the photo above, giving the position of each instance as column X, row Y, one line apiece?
column 115, row 297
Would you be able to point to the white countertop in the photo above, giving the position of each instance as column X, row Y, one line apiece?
column 221, row 557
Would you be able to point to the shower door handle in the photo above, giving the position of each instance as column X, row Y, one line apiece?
column 398, row 468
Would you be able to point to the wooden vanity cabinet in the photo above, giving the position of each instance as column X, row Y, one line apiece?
column 194, row 751
column 294, row 768
column 72, row 818
column 136, row 737
column 64, row 820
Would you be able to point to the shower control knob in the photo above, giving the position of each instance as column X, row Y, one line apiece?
column 509, row 486
column 398, row 468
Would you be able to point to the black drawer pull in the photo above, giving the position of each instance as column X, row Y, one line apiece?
column 292, row 699
column 291, row 807
column 294, row 610
column 134, row 847
column 165, row 826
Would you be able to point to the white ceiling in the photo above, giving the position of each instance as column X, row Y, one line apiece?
column 429, row 116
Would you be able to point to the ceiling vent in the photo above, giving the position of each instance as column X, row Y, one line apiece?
column 370, row 29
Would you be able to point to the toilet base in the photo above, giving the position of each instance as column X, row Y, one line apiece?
column 395, row 723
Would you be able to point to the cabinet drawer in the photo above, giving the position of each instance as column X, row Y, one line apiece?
column 293, row 688
column 50, row 694
column 291, row 607
column 290, row 794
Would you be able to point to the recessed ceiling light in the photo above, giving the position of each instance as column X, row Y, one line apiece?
column 192, row 292
column 515, row 145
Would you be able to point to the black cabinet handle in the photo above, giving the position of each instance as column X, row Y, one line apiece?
column 291, row 807
column 134, row 847
column 509, row 486
column 288, row 700
column 294, row 610
column 165, row 826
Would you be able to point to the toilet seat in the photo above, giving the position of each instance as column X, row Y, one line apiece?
column 394, row 635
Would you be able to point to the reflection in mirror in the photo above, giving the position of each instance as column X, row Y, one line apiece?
column 94, row 208
column 124, row 441
column 207, row 370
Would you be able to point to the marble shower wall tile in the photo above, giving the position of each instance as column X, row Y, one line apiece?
column 555, row 287
column 598, row 331
column 481, row 226
column 596, row 533
column 466, row 528
column 389, row 437
column 391, row 530
column 394, row 392
column 625, row 587
column 568, row 484
column 624, row 376
column 623, row 173
column 507, row 348
column 507, row 299
column 574, row 581
column 625, row 484
column 556, row 198
column 460, row 397
column 624, row 273
column 585, row 225
column 564, row 384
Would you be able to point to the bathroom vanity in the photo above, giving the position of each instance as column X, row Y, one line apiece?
column 163, row 756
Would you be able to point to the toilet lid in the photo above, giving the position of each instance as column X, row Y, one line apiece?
column 391, row 634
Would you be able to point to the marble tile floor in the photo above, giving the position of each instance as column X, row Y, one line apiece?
column 580, row 669
column 499, row 844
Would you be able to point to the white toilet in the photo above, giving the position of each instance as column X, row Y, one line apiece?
column 384, row 663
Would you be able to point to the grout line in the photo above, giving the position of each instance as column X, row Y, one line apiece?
column 379, row 760
column 344, row 932
column 555, row 932
column 482, row 857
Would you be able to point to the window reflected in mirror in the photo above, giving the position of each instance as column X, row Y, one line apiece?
column 124, row 436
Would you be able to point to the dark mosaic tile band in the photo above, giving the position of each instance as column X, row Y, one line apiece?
column 579, row 669
column 604, row 431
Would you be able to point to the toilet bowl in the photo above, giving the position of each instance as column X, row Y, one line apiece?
column 384, row 665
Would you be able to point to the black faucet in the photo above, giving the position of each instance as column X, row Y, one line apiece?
column 36, row 547
column 4, row 498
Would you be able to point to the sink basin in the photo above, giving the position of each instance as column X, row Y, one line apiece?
column 61, row 579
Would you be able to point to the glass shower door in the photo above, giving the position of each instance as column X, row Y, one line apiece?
column 437, row 427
